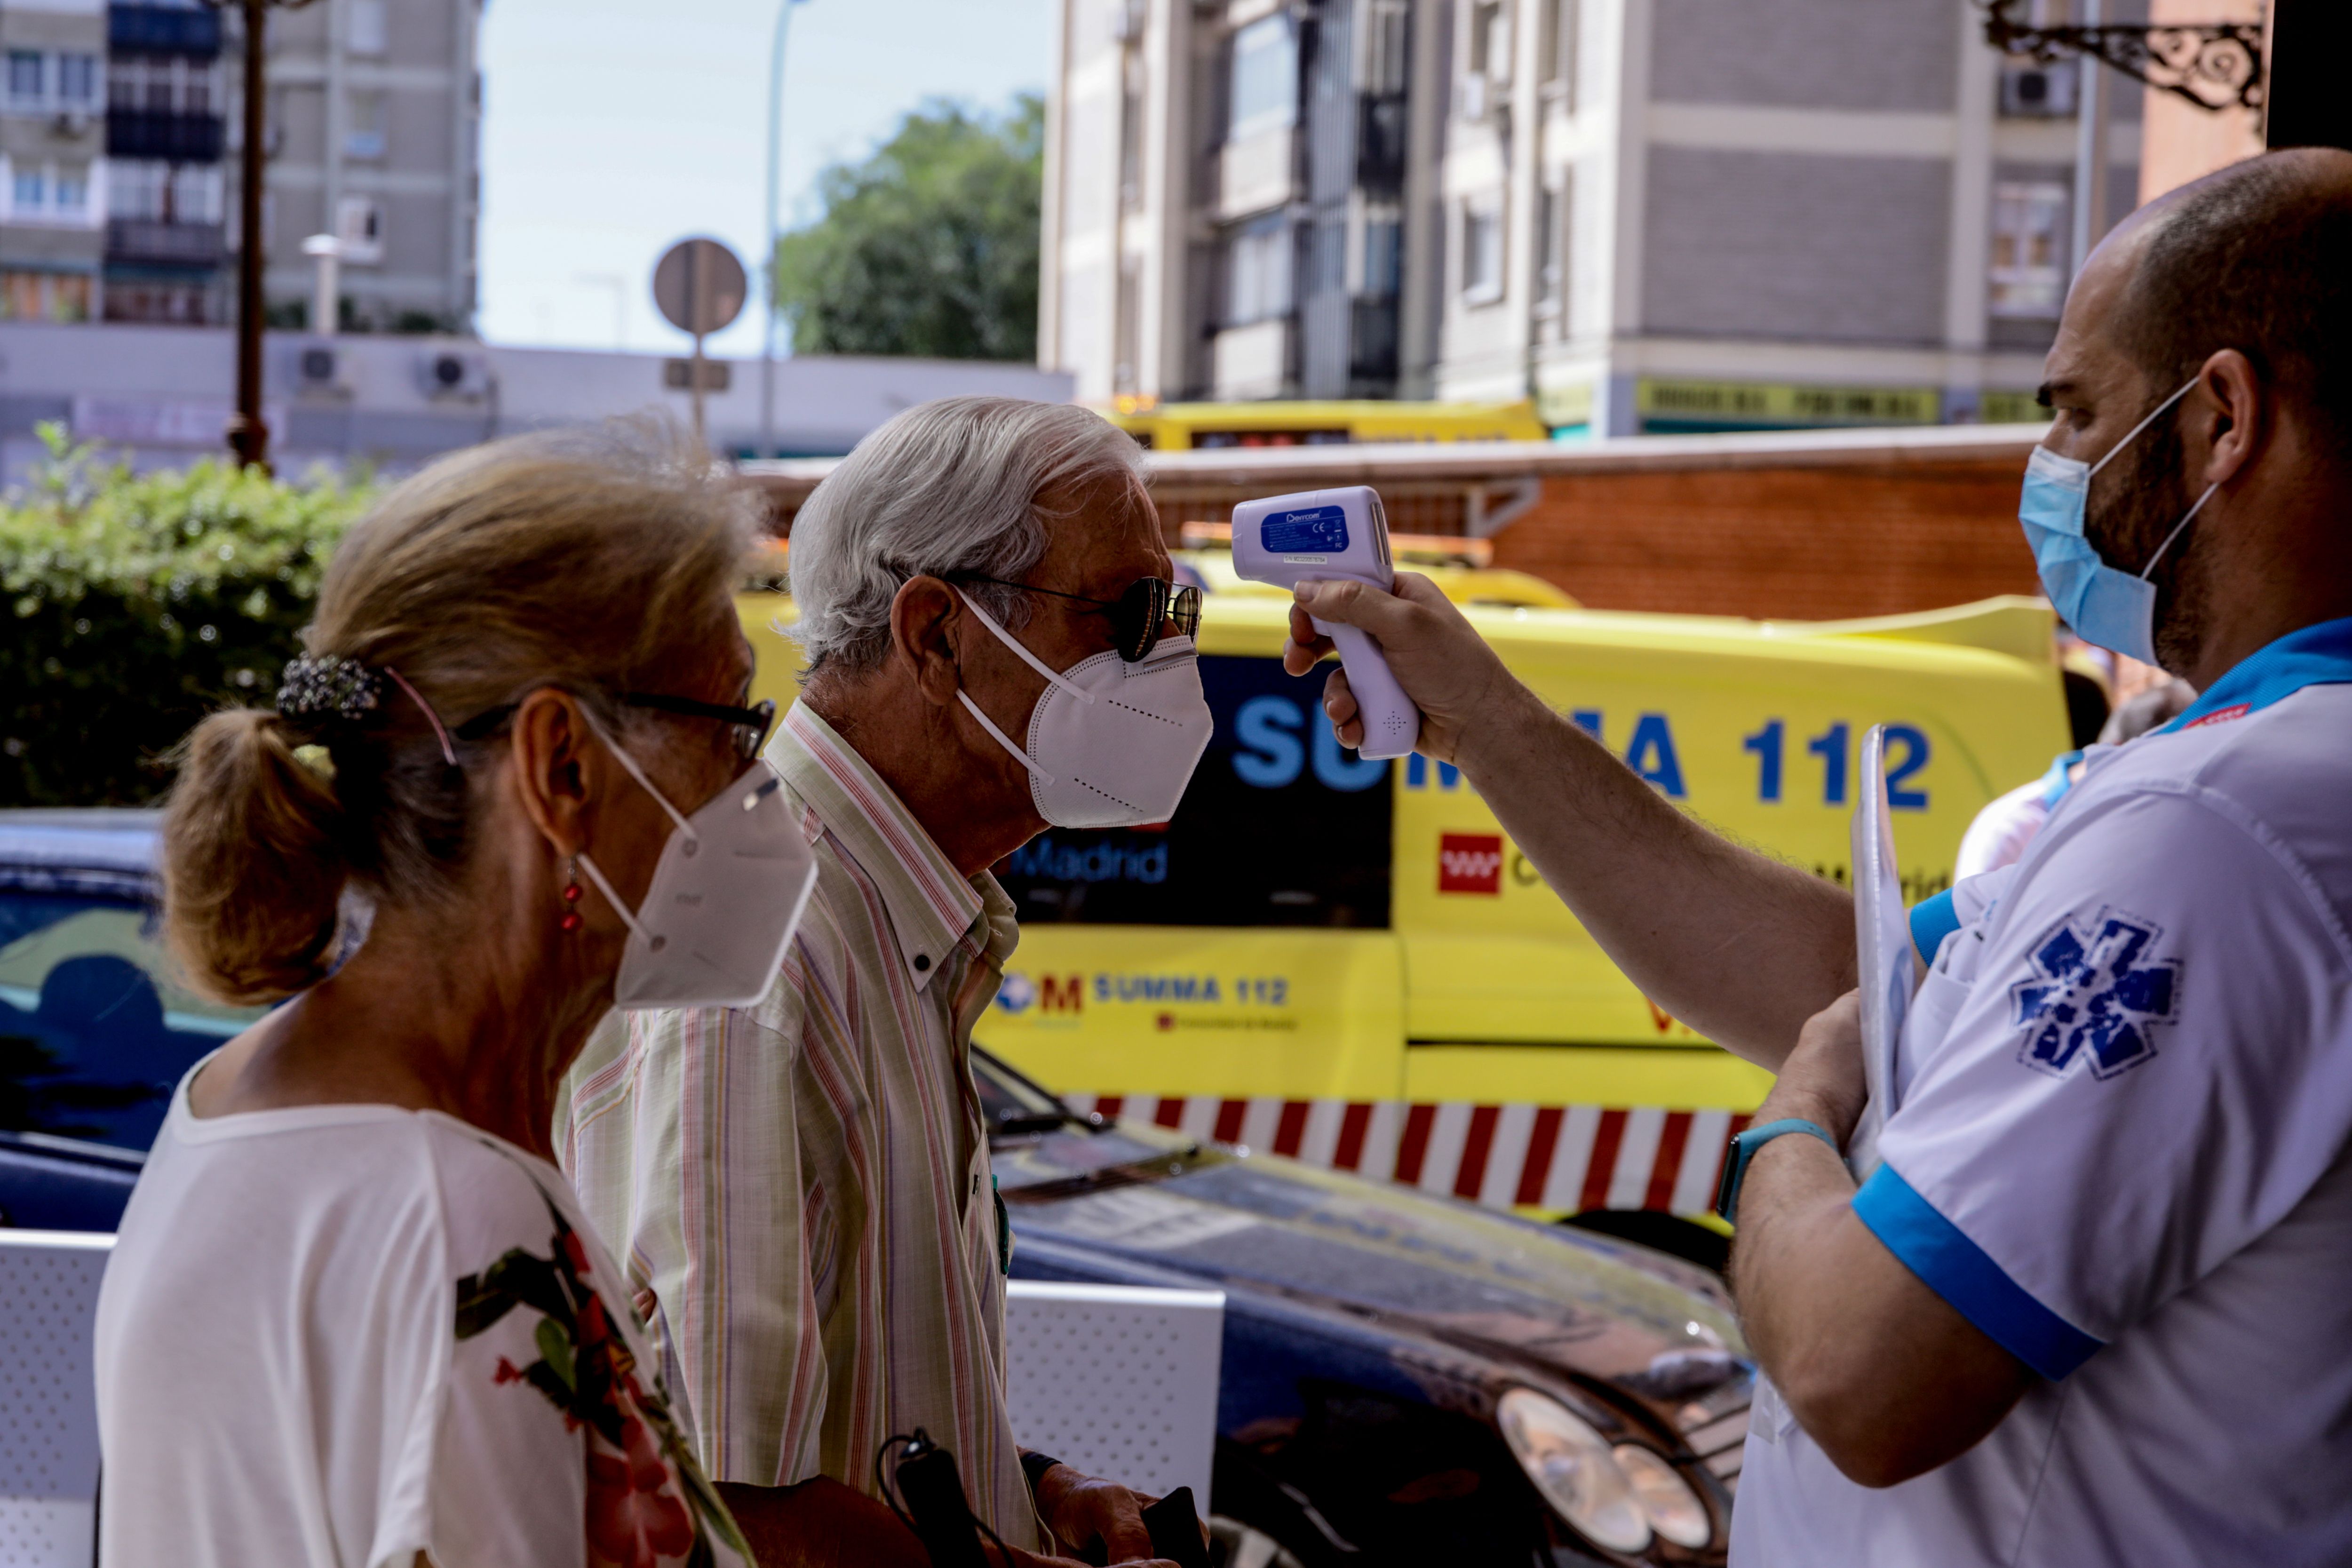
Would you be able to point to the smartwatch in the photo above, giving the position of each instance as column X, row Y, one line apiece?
column 1743, row 1149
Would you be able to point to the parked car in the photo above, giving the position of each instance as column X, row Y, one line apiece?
column 1407, row 1379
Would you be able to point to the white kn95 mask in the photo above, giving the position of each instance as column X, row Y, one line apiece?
column 724, row 900
column 1111, row 744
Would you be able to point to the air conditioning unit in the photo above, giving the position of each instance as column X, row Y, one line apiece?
column 322, row 369
column 454, row 374
column 70, row 122
column 2039, row 92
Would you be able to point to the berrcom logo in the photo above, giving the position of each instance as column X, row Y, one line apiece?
column 1469, row 863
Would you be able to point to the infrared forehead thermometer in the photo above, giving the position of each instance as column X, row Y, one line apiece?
column 1320, row 536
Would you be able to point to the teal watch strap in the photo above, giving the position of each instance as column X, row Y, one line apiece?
column 1743, row 1149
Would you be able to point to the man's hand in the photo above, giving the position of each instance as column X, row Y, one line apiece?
column 1885, row 1375
column 1822, row 1081
column 1443, row 665
column 1081, row 1509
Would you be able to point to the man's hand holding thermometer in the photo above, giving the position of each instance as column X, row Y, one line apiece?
column 1332, row 547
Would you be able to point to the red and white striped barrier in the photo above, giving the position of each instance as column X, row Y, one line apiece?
column 1566, row 1158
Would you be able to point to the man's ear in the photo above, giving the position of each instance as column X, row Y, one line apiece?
column 2231, row 418
column 926, row 617
column 558, row 773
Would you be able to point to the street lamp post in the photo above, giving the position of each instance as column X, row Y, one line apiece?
column 767, row 238
column 248, row 436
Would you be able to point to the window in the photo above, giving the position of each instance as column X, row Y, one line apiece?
column 1383, row 255
column 157, row 98
column 94, row 1029
column 367, row 32
column 25, row 75
column 31, row 190
column 1490, row 40
column 364, row 136
column 1556, row 57
column 197, row 88
column 1381, row 73
column 1482, row 252
column 359, row 224
column 78, row 80
column 1266, row 77
column 2028, row 250
column 1258, row 269
column 73, row 190
column 1552, row 247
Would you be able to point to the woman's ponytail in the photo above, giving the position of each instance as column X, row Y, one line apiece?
column 252, row 870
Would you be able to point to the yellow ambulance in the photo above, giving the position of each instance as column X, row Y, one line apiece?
column 1346, row 960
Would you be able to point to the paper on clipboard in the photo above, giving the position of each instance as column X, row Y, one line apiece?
column 1882, row 930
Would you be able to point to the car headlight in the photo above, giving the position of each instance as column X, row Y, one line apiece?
column 1666, row 1500
column 1571, row 1466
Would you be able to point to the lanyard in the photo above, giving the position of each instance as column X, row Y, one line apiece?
column 2318, row 654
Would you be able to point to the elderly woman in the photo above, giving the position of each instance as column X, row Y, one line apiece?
column 355, row 1316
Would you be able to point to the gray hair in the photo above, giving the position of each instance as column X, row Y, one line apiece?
column 944, row 488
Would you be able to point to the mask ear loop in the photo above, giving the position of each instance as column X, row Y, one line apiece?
column 1031, row 659
column 2176, row 527
column 2133, row 433
column 588, row 863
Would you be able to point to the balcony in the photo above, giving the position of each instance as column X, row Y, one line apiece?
column 151, row 242
column 1257, row 173
column 163, row 136
column 164, row 30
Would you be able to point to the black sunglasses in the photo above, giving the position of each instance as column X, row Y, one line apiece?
column 752, row 725
column 1138, row 617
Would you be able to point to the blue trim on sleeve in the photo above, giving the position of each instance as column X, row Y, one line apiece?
column 1933, row 920
column 1957, row 1268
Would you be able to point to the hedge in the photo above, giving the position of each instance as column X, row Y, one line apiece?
column 131, row 605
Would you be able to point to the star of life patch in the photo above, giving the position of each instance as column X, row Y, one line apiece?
column 2095, row 993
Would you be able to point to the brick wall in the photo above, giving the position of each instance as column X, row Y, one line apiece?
column 1806, row 544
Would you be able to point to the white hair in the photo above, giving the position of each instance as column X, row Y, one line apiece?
column 945, row 488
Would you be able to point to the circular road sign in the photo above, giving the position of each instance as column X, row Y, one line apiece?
column 699, row 286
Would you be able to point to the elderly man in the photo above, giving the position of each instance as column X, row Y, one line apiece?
column 2092, row 1308
column 802, row 1188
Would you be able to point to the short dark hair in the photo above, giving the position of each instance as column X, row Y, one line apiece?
column 2259, row 258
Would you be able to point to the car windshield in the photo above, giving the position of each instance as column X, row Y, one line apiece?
column 95, row 1029
column 1011, row 1102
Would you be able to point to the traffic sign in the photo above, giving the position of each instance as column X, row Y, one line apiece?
column 699, row 286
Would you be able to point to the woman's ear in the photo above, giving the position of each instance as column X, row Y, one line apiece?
column 924, row 619
column 558, row 774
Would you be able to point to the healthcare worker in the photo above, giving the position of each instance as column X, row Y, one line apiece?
column 2092, row 1309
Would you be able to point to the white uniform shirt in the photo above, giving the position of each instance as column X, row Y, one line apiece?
column 2119, row 1147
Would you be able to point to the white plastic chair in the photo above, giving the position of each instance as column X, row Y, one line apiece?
column 48, row 1397
column 1117, row 1381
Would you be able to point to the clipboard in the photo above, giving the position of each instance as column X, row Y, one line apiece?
column 1883, row 959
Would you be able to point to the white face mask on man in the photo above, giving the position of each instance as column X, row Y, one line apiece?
column 724, row 900
column 1111, row 744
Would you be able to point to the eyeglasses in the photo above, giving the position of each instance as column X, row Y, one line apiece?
column 751, row 724
column 1138, row 617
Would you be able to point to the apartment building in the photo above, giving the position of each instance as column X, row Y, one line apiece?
column 373, row 127
column 1644, row 215
column 166, row 134
column 52, row 164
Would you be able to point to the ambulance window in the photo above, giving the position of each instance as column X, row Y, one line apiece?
column 1279, row 827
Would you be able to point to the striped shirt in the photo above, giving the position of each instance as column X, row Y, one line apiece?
column 801, row 1189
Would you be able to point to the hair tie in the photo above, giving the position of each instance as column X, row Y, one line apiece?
column 328, row 684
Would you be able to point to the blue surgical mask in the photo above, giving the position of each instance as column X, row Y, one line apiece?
column 2111, row 608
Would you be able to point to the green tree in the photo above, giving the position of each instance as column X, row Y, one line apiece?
column 927, row 247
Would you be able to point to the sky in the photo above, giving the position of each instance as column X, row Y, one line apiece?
column 613, row 128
